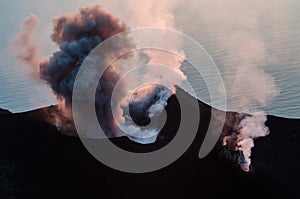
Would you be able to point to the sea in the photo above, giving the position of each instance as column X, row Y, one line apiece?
column 259, row 36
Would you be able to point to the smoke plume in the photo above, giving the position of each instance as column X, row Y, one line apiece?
column 25, row 46
column 76, row 35
column 241, row 129
column 236, row 29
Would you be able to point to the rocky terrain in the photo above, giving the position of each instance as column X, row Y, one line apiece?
column 38, row 161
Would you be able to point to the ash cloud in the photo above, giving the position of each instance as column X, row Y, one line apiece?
column 76, row 35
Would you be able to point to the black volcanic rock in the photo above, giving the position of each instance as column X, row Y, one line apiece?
column 4, row 112
column 47, row 164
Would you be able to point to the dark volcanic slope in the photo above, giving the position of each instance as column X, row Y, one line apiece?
column 36, row 161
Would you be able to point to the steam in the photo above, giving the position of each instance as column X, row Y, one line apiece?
column 241, row 129
column 77, row 34
column 149, row 102
column 250, row 84
column 251, row 88
column 251, row 127
column 153, row 13
column 146, row 106
column 25, row 46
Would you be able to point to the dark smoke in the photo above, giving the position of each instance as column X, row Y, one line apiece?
column 77, row 34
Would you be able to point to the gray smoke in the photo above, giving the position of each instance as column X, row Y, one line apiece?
column 76, row 35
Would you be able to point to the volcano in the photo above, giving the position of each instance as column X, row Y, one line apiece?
column 37, row 161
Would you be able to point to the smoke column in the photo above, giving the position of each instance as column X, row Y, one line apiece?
column 25, row 46
column 77, row 34
column 241, row 129
column 251, row 127
column 251, row 87
column 236, row 28
column 149, row 14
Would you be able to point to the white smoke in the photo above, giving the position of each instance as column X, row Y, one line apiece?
column 25, row 46
column 236, row 27
column 76, row 34
column 158, row 14
column 251, row 127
